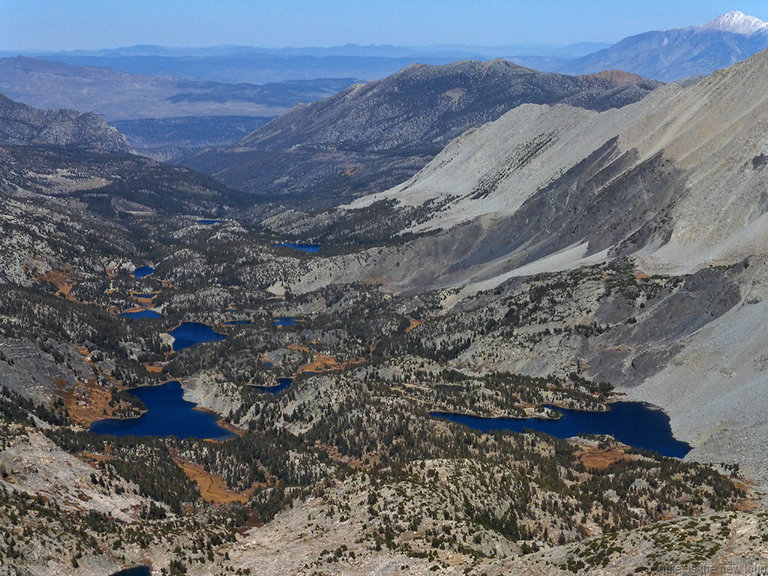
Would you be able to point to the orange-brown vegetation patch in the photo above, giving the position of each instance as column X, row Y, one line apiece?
column 298, row 347
column 144, row 300
column 154, row 368
column 87, row 402
column 751, row 502
column 62, row 279
column 748, row 505
column 414, row 324
column 134, row 309
column 212, row 487
column 154, row 294
column 231, row 427
column 641, row 276
column 91, row 457
column 323, row 363
column 595, row 458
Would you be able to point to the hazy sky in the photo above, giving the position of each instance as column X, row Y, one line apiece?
column 88, row 24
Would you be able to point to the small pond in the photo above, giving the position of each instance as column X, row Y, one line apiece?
column 140, row 314
column 188, row 334
column 135, row 571
column 284, row 321
column 282, row 384
column 312, row 248
column 143, row 271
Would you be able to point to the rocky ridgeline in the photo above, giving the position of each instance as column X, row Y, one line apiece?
column 426, row 106
column 22, row 125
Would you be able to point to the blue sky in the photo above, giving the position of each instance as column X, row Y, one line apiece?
column 89, row 24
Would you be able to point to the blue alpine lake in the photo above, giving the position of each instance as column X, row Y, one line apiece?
column 139, row 314
column 284, row 321
column 208, row 222
column 188, row 334
column 168, row 414
column 143, row 271
column 135, row 571
column 282, row 384
column 299, row 246
column 636, row 424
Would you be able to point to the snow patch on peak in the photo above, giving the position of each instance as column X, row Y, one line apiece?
column 736, row 22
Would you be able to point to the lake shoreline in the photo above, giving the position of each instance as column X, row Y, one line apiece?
column 637, row 424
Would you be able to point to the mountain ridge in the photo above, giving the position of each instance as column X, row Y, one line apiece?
column 678, row 53
column 23, row 125
column 700, row 127
column 373, row 135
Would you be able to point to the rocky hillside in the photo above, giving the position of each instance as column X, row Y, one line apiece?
column 375, row 135
column 644, row 180
column 675, row 182
column 23, row 125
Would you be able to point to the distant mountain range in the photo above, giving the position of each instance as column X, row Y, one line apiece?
column 661, row 55
column 237, row 64
column 674, row 54
column 121, row 95
column 144, row 86
column 162, row 117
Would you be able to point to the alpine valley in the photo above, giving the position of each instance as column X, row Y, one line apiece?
column 466, row 319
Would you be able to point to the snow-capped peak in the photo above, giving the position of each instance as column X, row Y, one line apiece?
column 736, row 22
